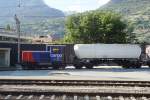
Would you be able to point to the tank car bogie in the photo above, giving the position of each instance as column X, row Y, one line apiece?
column 89, row 65
column 131, row 64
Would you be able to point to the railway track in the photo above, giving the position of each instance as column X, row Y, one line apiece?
column 16, row 89
column 71, row 96
column 74, row 82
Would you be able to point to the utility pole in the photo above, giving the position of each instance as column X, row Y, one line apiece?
column 18, row 33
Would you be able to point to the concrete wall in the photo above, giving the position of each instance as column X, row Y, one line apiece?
column 5, row 57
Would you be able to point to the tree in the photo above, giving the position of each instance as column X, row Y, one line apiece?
column 96, row 27
column 131, row 35
column 8, row 27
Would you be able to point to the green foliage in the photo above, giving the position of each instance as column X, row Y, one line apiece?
column 96, row 27
column 131, row 36
column 8, row 27
column 137, row 12
column 52, row 25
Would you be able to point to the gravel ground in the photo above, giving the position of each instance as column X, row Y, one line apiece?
column 87, row 89
column 102, row 73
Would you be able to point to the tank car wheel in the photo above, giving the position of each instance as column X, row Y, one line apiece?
column 148, row 65
column 131, row 65
column 78, row 66
column 126, row 66
column 31, row 68
column 138, row 66
column 24, row 67
column 56, row 67
column 89, row 66
column 62, row 67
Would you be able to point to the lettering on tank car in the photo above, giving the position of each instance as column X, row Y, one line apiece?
column 56, row 55
column 55, row 49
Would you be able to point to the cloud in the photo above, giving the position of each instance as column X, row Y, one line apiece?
column 76, row 5
column 102, row 2
column 77, row 8
column 77, row 2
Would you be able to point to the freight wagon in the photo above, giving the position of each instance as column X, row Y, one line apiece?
column 55, row 56
column 87, row 55
column 125, row 55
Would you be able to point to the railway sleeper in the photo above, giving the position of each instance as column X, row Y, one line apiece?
column 72, row 97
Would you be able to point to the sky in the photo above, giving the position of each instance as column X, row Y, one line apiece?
column 75, row 5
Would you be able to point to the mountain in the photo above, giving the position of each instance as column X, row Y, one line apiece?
column 31, row 13
column 137, row 12
column 68, row 13
column 28, row 9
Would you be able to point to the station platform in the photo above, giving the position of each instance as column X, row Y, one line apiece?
column 66, row 78
column 82, row 74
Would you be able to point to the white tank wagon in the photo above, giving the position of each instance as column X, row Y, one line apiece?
column 148, row 51
column 148, row 55
column 107, row 51
column 90, row 55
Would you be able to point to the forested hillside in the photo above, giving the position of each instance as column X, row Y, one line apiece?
column 35, row 16
column 137, row 12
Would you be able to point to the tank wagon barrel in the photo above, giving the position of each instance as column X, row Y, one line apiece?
column 107, row 51
column 126, row 55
